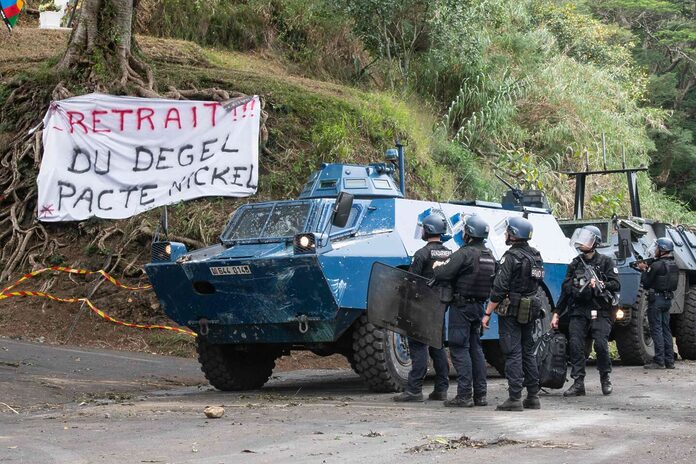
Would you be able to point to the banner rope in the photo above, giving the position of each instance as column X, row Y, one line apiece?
column 5, row 294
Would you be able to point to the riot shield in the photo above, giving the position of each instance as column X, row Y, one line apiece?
column 402, row 302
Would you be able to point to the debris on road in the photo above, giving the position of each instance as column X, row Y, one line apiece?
column 214, row 412
column 445, row 444
column 9, row 407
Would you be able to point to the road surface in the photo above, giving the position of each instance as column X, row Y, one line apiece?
column 76, row 405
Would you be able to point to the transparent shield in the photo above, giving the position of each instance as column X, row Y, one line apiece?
column 501, row 227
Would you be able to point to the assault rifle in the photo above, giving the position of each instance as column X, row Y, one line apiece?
column 600, row 290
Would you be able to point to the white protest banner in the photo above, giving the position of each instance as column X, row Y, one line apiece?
column 114, row 157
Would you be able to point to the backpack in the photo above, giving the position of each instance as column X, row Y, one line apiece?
column 550, row 352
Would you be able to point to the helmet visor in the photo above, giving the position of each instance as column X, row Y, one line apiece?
column 652, row 251
column 582, row 238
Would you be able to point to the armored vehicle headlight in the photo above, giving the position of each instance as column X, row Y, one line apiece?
column 304, row 243
column 619, row 314
column 167, row 251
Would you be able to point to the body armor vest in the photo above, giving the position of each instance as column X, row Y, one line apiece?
column 667, row 278
column 478, row 283
column 438, row 252
column 526, row 282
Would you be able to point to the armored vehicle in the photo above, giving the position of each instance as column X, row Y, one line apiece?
column 629, row 239
column 293, row 275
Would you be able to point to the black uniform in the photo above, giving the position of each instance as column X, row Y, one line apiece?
column 422, row 265
column 581, row 305
column 661, row 279
column 470, row 271
column 521, row 270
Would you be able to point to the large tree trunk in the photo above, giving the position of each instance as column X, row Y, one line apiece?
column 102, row 43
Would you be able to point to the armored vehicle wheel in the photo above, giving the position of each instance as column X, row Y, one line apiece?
column 685, row 326
column 231, row 370
column 491, row 348
column 380, row 357
column 634, row 341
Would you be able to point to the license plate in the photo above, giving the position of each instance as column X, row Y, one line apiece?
column 230, row 270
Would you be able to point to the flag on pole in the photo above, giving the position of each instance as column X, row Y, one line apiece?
column 10, row 11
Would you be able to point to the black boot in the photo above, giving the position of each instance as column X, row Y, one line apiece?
column 606, row 384
column 510, row 404
column 438, row 395
column 532, row 402
column 480, row 401
column 577, row 389
column 407, row 397
column 653, row 365
column 460, row 402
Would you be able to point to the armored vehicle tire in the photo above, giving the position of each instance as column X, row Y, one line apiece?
column 380, row 357
column 633, row 341
column 231, row 370
column 685, row 326
column 491, row 348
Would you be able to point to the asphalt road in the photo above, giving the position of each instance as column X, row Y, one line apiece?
column 77, row 405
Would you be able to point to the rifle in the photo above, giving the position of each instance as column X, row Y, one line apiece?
column 600, row 289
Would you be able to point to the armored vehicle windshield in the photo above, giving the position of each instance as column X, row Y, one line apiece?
column 268, row 221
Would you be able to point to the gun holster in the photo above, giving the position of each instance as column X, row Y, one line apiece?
column 446, row 294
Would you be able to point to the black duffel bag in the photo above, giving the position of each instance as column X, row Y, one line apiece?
column 550, row 351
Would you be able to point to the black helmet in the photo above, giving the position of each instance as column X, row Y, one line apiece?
column 665, row 244
column 476, row 227
column 434, row 224
column 519, row 228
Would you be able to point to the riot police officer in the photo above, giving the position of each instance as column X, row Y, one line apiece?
column 661, row 278
column 434, row 225
column 470, row 271
column 590, row 284
column 514, row 298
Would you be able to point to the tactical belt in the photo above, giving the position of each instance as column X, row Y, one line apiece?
column 467, row 300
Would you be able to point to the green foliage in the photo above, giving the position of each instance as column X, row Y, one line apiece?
column 667, row 31
column 525, row 87
column 306, row 33
column 393, row 30
column 642, row 7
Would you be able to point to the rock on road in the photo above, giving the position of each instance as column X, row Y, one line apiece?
column 76, row 405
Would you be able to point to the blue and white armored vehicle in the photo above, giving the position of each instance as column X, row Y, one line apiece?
column 627, row 239
column 293, row 275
